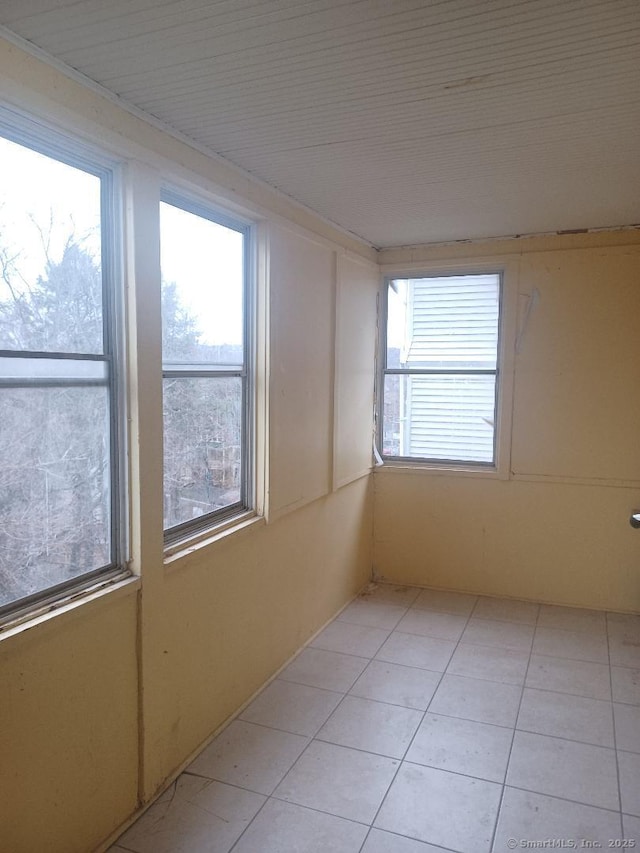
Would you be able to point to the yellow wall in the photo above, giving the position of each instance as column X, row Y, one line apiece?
column 68, row 728
column 105, row 700
column 557, row 529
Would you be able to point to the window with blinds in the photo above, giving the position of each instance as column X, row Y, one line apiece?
column 440, row 380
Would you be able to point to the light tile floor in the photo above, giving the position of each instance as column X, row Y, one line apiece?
column 422, row 721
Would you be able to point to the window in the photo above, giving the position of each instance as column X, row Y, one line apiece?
column 440, row 371
column 206, row 356
column 60, row 478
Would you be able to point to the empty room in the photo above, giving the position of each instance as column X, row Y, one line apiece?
column 319, row 426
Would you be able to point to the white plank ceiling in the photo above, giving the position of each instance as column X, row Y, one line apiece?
column 402, row 121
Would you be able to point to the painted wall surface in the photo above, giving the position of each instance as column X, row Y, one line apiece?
column 103, row 702
column 228, row 617
column 557, row 529
column 301, row 368
column 356, row 342
column 69, row 728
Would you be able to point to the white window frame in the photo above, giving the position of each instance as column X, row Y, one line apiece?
column 192, row 531
column 507, row 268
column 63, row 147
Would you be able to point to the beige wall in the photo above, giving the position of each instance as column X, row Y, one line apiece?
column 557, row 529
column 69, row 728
column 105, row 700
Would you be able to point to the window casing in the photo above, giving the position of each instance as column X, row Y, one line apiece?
column 440, row 378
column 207, row 324
column 61, row 396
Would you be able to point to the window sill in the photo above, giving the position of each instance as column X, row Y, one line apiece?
column 437, row 470
column 75, row 604
column 191, row 544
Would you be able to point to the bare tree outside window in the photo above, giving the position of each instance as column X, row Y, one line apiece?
column 204, row 367
column 55, row 397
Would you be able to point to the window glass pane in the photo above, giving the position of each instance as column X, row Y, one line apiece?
column 26, row 370
column 50, row 254
column 439, row 417
column 54, row 487
column 202, row 446
column 443, row 323
column 397, row 333
column 202, row 289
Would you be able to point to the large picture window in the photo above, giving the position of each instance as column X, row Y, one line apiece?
column 59, row 455
column 206, row 359
column 440, row 369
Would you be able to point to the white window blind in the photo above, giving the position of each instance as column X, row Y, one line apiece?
column 441, row 368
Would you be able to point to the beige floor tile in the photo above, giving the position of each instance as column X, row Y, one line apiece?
column 501, row 635
column 491, row 664
column 624, row 649
column 250, row 756
column 446, row 602
column 396, row 684
column 327, row 670
column 194, row 816
column 462, row 746
column 571, row 619
column 626, row 685
column 441, row 808
column 562, row 768
column 372, row 726
column 506, row 610
column 370, row 611
column 580, row 678
column 537, row 818
column 627, row 719
column 411, row 650
column 427, row 623
column 379, row 841
column 566, row 716
column 362, row 640
column 287, row 828
column 629, row 766
column 631, row 826
column 623, row 623
column 576, row 645
column 475, row 699
column 341, row 781
column 292, row 707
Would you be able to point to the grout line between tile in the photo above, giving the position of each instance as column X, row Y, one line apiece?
column 314, row 809
column 564, row 799
column 237, row 841
column 224, row 782
column 513, row 737
column 615, row 741
column 562, row 737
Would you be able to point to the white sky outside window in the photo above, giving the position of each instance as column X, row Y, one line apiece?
column 205, row 260
column 28, row 183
